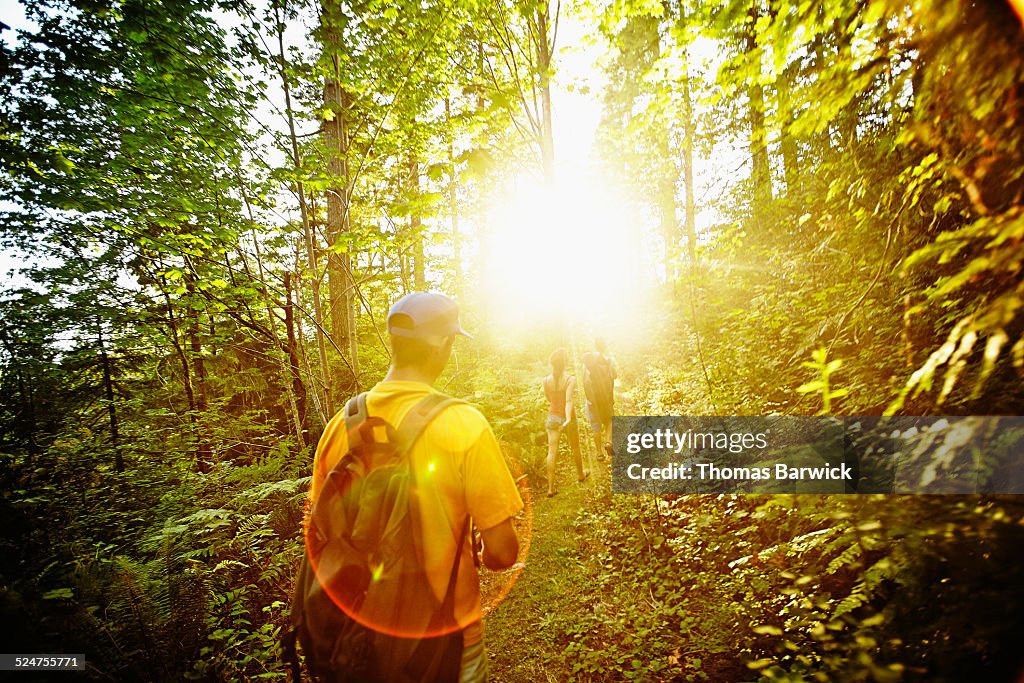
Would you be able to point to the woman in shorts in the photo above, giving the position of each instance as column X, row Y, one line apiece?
column 559, row 387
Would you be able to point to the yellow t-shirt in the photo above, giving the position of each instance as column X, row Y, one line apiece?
column 460, row 471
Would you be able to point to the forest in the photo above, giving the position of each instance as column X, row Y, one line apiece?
column 766, row 207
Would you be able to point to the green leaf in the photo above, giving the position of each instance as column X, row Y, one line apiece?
column 815, row 385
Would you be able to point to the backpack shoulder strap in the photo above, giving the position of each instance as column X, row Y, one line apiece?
column 355, row 416
column 417, row 419
column 355, row 409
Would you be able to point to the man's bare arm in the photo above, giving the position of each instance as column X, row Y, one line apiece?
column 501, row 547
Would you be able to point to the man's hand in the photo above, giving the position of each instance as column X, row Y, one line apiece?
column 566, row 423
column 501, row 547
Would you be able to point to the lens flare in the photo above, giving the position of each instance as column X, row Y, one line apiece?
column 348, row 591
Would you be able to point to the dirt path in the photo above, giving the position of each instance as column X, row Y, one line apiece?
column 527, row 628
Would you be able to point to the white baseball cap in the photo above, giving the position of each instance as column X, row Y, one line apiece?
column 425, row 315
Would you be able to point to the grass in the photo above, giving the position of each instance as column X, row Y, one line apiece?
column 525, row 631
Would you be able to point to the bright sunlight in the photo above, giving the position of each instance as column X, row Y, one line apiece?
column 568, row 250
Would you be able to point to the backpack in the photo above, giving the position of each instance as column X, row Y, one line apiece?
column 363, row 565
column 599, row 384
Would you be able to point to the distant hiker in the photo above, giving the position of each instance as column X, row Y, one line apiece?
column 599, row 373
column 559, row 387
column 398, row 474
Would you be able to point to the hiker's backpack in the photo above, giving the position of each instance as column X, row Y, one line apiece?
column 363, row 608
column 599, row 384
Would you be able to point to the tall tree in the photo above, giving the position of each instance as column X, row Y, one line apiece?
column 760, row 174
column 336, row 143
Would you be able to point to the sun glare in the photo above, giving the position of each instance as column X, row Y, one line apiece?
column 567, row 250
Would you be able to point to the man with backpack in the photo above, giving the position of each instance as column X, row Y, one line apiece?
column 599, row 372
column 389, row 590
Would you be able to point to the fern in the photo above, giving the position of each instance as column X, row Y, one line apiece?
column 851, row 602
column 208, row 517
column 889, row 568
column 271, row 488
column 285, row 521
column 845, row 558
column 253, row 525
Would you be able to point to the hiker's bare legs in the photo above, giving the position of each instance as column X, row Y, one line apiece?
column 602, row 432
column 604, row 440
column 553, row 435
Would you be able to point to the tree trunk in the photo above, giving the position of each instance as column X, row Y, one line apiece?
column 292, row 349
column 28, row 404
column 787, row 143
column 108, row 390
column 824, row 136
column 453, row 200
column 339, row 274
column 760, row 170
column 544, row 48
column 202, row 465
column 688, row 128
column 341, row 283
column 204, row 450
column 307, row 229
column 416, row 226
column 669, row 232
column 848, row 117
column 481, row 235
column 790, row 154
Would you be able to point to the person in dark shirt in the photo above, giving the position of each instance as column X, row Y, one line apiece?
column 599, row 372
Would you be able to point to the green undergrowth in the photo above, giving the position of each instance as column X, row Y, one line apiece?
column 733, row 588
column 762, row 588
column 189, row 575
